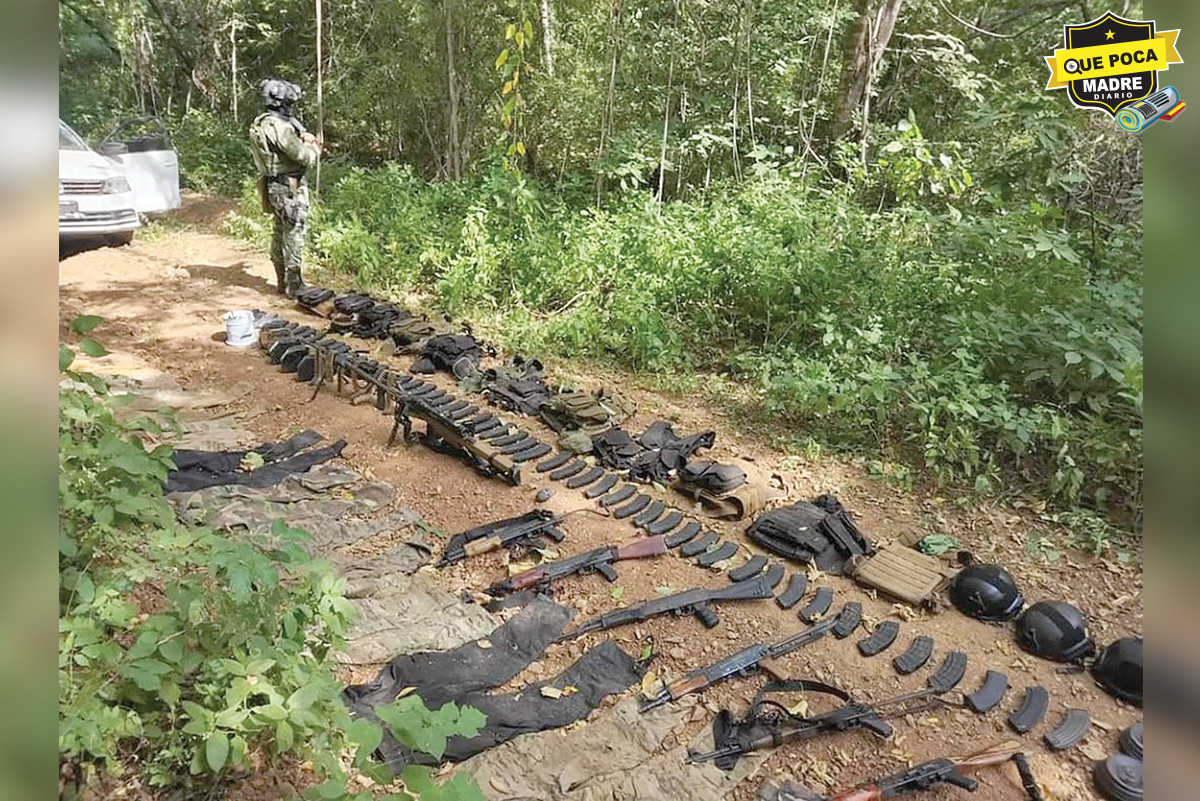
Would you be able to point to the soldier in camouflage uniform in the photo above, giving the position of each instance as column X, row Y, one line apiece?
column 283, row 152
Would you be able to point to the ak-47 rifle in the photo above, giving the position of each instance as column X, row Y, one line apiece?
column 770, row 729
column 447, row 436
column 599, row 560
column 742, row 663
column 493, row 536
column 931, row 774
column 698, row 602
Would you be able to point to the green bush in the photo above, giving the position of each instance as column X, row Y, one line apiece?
column 190, row 656
column 212, row 158
column 976, row 341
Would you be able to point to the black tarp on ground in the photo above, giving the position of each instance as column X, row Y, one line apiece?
column 465, row 674
column 199, row 469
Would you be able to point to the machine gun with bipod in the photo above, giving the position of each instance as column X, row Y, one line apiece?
column 447, row 436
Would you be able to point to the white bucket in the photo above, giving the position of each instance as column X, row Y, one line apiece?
column 239, row 328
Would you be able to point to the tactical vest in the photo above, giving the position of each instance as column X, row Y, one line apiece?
column 454, row 353
column 267, row 159
column 818, row 533
column 415, row 330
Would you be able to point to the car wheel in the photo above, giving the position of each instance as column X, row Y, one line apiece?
column 119, row 240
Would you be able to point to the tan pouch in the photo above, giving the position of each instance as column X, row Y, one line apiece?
column 901, row 573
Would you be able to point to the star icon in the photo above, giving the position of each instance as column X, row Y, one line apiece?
column 1108, row 34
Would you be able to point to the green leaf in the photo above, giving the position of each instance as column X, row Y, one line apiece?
column 334, row 788
column 257, row 666
column 284, row 738
column 216, row 750
column 304, row 697
column 65, row 357
column 84, row 323
column 85, row 590
column 172, row 650
column 233, row 666
column 272, row 711
column 231, row 718
column 92, row 348
column 1073, row 358
column 169, row 692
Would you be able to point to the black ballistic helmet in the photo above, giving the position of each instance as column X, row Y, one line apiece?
column 1054, row 630
column 277, row 94
column 1119, row 669
column 1131, row 741
column 1119, row 778
column 986, row 592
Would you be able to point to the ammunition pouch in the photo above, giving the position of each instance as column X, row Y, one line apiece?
column 316, row 300
column 901, row 573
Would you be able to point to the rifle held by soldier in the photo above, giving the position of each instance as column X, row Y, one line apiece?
column 742, row 663
column 598, row 560
column 698, row 602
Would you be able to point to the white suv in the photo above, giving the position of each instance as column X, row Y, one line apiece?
column 94, row 196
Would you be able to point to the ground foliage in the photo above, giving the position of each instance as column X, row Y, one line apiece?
column 954, row 283
column 189, row 657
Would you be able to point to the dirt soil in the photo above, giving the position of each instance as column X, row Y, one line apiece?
column 163, row 299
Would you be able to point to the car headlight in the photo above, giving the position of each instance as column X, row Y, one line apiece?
column 116, row 185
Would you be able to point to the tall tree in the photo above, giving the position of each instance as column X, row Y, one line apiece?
column 864, row 46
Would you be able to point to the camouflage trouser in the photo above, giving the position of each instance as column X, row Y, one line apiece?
column 290, row 209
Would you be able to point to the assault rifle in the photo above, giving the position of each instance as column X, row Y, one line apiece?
column 598, row 560
column 770, row 729
column 447, row 436
column 698, row 602
column 493, row 536
column 930, row 774
column 742, row 663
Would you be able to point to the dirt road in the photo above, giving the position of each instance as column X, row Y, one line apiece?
column 163, row 299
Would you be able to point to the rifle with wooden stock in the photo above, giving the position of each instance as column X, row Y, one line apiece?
column 598, row 560
column 929, row 775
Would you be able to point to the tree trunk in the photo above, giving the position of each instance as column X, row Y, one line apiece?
column 453, row 151
column 233, row 69
column 548, row 37
column 864, row 47
column 856, row 62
